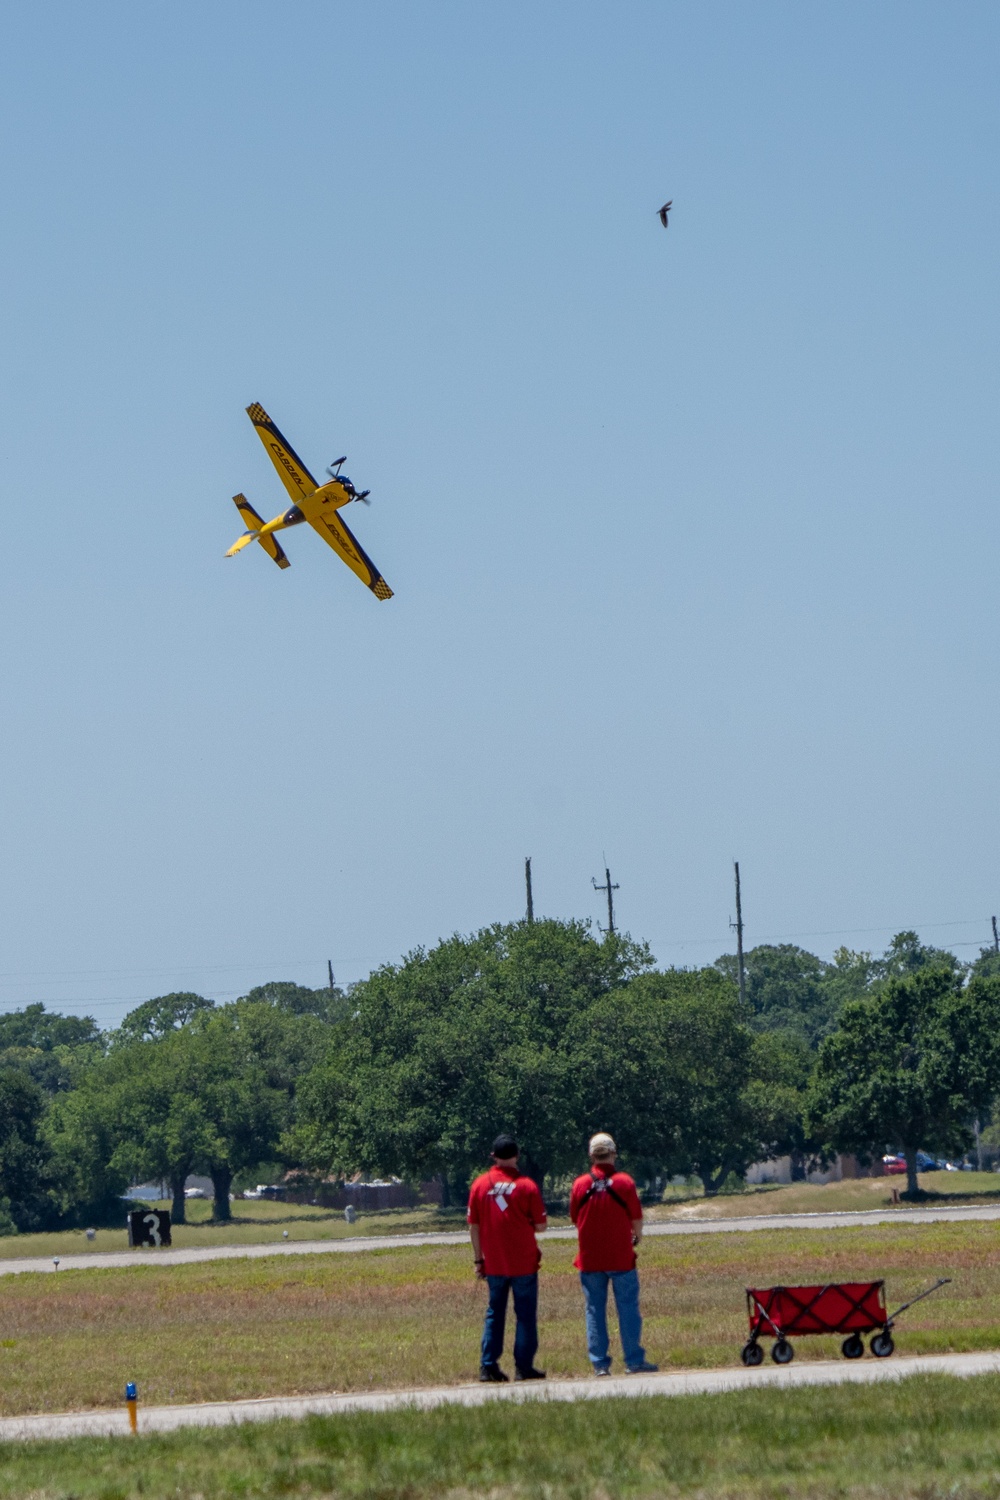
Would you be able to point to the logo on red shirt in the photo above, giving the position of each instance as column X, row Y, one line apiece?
column 500, row 1192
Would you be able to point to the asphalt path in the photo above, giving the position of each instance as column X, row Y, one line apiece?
column 359, row 1244
column 114, row 1423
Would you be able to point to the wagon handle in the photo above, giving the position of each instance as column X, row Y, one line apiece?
column 762, row 1315
column 919, row 1298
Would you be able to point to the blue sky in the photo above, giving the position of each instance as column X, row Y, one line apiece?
column 693, row 534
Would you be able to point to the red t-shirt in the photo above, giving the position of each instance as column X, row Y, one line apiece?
column 603, row 1226
column 508, row 1209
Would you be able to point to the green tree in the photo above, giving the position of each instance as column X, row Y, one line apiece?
column 543, row 1030
column 987, row 965
column 782, row 1068
column 253, row 1054
column 330, row 1005
column 25, row 1159
column 138, row 1113
column 158, row 1017
column 912, row 1064
column 681, row 1080
column 185, row 1087
column 474, row 1036
column 850, row 976
column 906, row 954
column 35, row 1027
column 786, row 991
column 80, row 1129
column 44, row 1044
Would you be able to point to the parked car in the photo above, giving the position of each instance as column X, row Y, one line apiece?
column 893, row 1166
column 927, row 1163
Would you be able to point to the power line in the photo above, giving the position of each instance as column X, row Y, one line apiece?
column 65, row 976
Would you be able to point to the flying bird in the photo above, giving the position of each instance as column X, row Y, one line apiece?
column 664, row 211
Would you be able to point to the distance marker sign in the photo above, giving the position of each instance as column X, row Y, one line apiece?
column 149, row 1226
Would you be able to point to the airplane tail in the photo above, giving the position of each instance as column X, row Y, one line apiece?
column 254, row 524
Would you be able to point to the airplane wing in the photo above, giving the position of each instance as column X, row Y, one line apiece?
column 333, row 531
column 291, row 470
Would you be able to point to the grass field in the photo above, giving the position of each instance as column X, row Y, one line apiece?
column 253, row 1223
column 257, row 1222
column 941, row 1188
column 412, row 1316
column 928, row 1437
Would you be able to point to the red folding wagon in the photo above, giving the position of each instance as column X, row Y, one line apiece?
column 851, row 1307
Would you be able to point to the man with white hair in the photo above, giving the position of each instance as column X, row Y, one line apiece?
column 605, row 1208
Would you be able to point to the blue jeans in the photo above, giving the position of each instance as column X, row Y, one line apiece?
column 525, row 1289
column 595, row 1296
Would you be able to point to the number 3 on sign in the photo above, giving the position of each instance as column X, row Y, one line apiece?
column 149, row 1226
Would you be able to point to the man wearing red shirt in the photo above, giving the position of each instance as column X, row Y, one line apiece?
column 605, row 1208
column 505, row 1213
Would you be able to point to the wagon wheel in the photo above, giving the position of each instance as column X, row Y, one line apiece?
column 751, row 1353
column 852, row 1348
column 782, row 1352
column 882, row 1345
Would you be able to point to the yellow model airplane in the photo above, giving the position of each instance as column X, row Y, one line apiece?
column 316, row 503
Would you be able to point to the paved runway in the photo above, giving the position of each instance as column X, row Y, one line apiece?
column 671, row 1383
column 361, row 1243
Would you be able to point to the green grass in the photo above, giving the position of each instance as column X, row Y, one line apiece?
column 412, row 1316
column 928, row 1437
column 944, row 1189
column 254, row 1222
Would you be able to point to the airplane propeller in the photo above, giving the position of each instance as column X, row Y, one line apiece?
column 364, row 496
column 334, row 468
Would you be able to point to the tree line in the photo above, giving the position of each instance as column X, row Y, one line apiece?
column 541, row 1028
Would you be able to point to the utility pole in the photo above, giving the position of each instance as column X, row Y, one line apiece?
column 738, row 924
column 329, row 969
column 608, row 887
column 527, row 885
column 996, row 935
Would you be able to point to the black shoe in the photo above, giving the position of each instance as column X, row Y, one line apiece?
column 531, row 1374
column 492, row 1374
